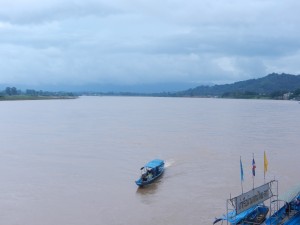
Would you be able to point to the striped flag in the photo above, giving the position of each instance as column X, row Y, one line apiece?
column 253, row 167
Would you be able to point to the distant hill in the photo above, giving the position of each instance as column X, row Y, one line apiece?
column 268, row 85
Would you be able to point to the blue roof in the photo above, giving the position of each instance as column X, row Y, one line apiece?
column 232, row 218
column 154, row 163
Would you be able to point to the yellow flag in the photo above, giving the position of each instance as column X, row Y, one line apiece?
column 265, row 163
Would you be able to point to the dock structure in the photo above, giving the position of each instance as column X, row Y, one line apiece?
column 253, row 206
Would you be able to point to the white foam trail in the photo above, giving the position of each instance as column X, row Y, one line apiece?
column 169, row 162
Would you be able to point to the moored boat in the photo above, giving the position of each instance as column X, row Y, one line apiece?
column 288, row 214
column 255, row 215
column 248, row 208
column 150, row 172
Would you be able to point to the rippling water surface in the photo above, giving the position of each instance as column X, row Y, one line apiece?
column 74, row 162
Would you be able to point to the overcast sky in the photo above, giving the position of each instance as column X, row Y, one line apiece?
column 147, row 41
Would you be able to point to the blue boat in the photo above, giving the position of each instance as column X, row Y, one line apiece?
column 289, row 214
column 248, row 208
column 150, row 172
column 252, row 216
column 294, row 221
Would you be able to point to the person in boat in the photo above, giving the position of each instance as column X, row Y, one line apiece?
column 288, row 208
column 144, row 177
column 149, row 173
column 144, row 174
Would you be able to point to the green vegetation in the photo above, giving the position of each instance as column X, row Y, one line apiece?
column 12, row 93
column 273, row 86
column 243, row 95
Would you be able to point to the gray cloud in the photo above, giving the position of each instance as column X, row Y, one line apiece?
column 131, row 42
column 37, row 12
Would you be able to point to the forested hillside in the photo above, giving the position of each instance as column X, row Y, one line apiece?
column 271, row 86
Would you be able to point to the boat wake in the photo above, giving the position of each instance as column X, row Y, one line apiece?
column 169, row 162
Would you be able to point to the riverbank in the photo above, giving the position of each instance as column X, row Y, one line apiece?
column 29, row 97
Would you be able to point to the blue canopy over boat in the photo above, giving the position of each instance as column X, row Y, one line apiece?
column 154, row 163
column 232, row 218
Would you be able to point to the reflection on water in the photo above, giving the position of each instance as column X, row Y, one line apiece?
column 147, row 194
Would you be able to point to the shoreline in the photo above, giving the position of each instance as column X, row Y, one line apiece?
column 25, row 97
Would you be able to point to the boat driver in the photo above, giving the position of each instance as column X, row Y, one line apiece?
column 149, row 172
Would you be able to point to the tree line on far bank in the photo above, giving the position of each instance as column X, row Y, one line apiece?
column 272, row 86
column 279, row 95
column 13, row 91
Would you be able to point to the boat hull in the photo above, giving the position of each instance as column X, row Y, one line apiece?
column 142, row 183
column 289, row 214
column 282, row 219
column 252, row 216
column 294, row 221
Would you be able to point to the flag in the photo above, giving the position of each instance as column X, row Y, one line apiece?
column 253, row 167
column 265, row 163
column 242, row 171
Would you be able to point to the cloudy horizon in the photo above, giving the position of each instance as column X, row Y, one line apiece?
column 138, row 42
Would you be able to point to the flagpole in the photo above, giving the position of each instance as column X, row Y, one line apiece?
column 264, row 169
column 242, row 187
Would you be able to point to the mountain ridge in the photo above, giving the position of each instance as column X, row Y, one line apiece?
column 267, row 85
